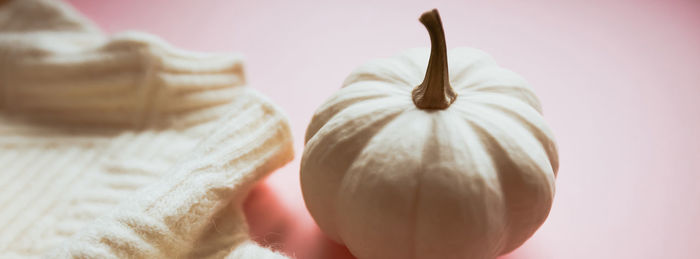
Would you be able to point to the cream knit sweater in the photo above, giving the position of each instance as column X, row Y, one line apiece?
column 123, row 146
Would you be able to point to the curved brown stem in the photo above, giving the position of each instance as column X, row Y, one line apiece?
column 435, row 92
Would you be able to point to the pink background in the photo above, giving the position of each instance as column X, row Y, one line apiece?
column 619, row 81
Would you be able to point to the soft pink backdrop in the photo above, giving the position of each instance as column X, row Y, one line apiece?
column 619, row 81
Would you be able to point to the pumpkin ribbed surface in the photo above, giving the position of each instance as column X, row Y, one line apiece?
column 394, row 181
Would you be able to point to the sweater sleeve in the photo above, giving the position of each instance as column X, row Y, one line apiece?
column 196, row 211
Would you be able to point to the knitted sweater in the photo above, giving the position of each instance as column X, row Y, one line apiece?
column 123, row 146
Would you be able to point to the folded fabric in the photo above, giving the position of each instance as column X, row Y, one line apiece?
column 56, row 65
column 123, row 146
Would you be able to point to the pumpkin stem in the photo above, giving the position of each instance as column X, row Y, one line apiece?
column 435, row 92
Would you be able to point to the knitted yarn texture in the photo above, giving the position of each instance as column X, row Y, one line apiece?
column 123, row 146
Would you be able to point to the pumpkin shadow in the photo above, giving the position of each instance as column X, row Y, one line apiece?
column 274, row 225
column 327, row 248
column 268, row 220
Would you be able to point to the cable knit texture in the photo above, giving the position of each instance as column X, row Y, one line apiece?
column 123, row 146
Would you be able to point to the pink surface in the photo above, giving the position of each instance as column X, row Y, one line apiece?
column 619, row 81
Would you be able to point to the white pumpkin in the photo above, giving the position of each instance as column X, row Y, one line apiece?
column 461, row 167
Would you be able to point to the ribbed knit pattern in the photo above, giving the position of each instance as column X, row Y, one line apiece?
column 123, row 146
column 194, row 211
